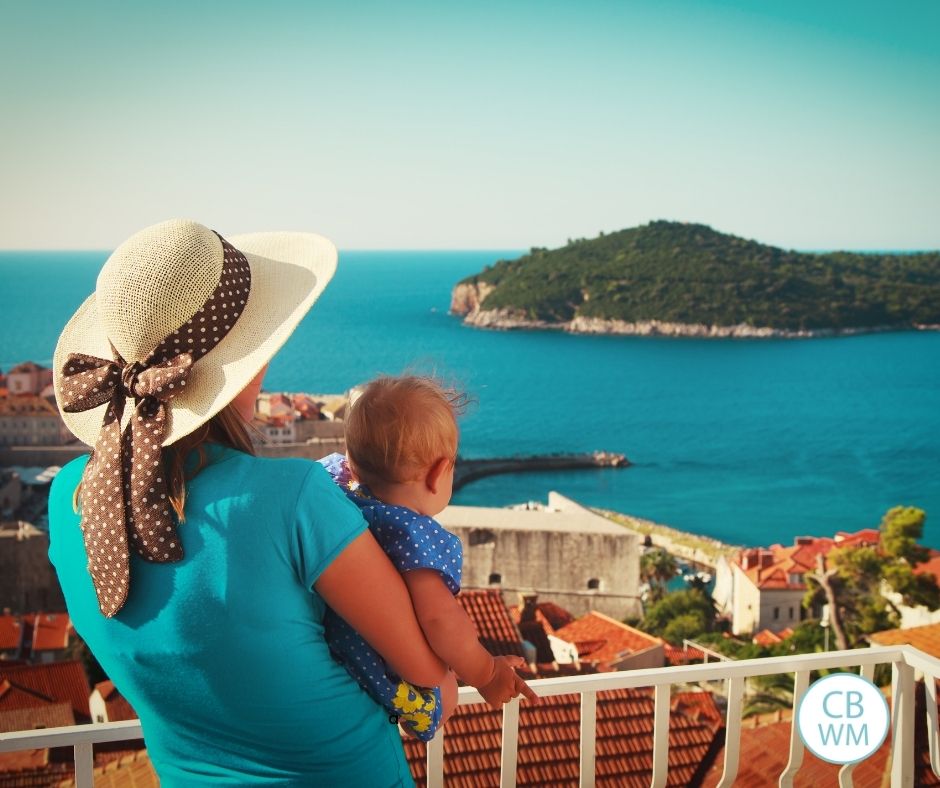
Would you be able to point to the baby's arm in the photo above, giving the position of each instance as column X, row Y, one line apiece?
column 363, row 587
column 453, row 637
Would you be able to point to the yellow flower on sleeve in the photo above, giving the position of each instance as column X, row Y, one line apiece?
column 408, row 698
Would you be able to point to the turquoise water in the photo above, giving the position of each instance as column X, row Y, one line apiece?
column 749, row 441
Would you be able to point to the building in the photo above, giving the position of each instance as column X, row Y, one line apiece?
column 46, row 636
column 27, row 579
column 11, row 492
column 763, row 588
column 11, row 637
column 607, row 644
column 107, row 704
column 298, row 425
column 34, row 686
column 581, row 560
column 28, row 378
column 31, row 420
column 274, row 406
column 35, row 637
column 274, row 430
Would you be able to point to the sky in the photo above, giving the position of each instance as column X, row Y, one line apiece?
column 487, row 125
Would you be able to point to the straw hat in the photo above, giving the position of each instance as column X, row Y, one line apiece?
column 160, row 278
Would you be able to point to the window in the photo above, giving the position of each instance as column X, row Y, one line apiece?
column 791, row 613
column 496, row 578
column 482, row 536
column 594, row 584
column 776, row 613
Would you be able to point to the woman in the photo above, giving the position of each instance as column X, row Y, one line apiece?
column 198, row 573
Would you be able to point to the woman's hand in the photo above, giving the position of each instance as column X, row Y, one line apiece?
column 505, row 683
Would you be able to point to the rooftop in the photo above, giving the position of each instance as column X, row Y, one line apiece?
column 27, row 406
column 925, row 638
column 559, row 517
column 777, row 567
column 37, row 685
column 604, row 641
column 497, row 631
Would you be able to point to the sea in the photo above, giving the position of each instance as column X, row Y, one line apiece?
column 752, row 442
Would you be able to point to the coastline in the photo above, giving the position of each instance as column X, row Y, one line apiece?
column 505, row 320
column 698, row 549
column 467, row 300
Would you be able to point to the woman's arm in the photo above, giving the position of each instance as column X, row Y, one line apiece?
column 454, row 639
column 363, row 587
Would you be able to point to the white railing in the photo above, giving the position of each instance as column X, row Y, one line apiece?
column 904, row 661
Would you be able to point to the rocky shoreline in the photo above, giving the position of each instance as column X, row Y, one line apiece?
column 466, row 301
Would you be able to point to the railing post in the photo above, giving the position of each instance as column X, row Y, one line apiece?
column 933, row 735
column 845, row 773
column 84, row 765
column 661, row 735
column 800, row 685
column 508, row 759
column 733, row 731
column 588, row 739
column 902, row 725
column 435, row 760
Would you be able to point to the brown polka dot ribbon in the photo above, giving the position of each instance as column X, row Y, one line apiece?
column 124, row 489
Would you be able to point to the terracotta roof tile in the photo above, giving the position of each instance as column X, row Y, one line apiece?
column 549, row 741
column 682, row 655
column 765, row 751
column 50, row 631
column 498, row 632
column 930, row 566
column 925, row 638
column 129, row 769
column 766, row 638
column 773, row 567
column 11, row 633
column 47, row 715
column 606, row 640
column 27, row 406
column 55, row 681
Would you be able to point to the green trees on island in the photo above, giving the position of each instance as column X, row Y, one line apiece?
column 689, row 273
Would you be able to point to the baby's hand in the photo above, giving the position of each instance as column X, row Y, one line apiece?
column 505, row 683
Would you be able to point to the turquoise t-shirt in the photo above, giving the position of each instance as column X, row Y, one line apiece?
column 223, row 654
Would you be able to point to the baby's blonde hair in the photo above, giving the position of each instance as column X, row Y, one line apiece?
column 400, row 426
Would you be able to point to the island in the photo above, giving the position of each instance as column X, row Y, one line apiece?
column 678, row 279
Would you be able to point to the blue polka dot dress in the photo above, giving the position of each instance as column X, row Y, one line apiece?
column 411, row 541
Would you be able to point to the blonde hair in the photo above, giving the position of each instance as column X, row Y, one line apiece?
column 399, row 426
column 227, row 427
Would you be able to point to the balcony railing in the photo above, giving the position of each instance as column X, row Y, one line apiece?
column 905, row 661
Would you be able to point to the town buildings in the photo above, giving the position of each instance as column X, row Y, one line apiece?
column 763, row 588
column 27, row 580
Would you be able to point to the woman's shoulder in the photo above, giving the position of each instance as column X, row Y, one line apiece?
column 286, row 478
column 69, row 476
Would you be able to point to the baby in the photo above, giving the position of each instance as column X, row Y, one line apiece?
column 401, row 442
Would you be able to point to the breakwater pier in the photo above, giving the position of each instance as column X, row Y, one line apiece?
column 467, row 471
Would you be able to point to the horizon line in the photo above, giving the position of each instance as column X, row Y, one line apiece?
column 523, row 250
